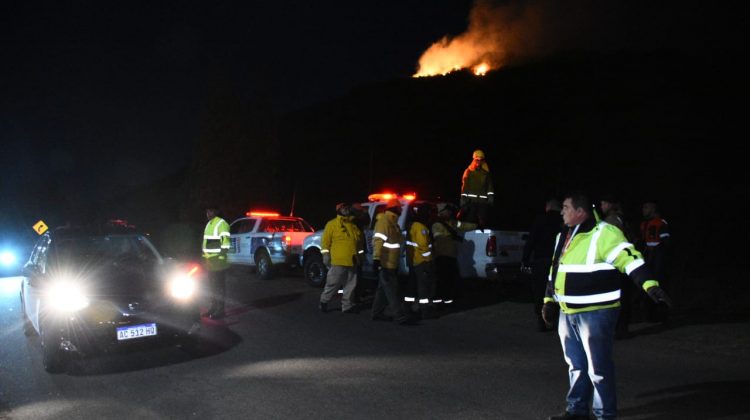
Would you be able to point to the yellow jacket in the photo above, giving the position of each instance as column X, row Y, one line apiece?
column 343, row 239
column 446, row 239
column 386, row 240
column 418, row 245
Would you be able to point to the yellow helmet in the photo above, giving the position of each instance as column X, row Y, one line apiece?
column 478, row 154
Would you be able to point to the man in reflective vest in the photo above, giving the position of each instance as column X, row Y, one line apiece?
column 386, row 253
column 215, row 249
column 583, row 281
column 419, row 257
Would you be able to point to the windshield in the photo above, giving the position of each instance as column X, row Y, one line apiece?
column 109, row 247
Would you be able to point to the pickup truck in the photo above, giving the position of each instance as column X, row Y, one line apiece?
column 482, row 254
column 266, row 241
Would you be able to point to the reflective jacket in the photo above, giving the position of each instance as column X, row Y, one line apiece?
column 419, row 244
column 476, row 186
column 654, row 231
column 343, row 240
column 584, row 275
column 216, row 244
column 386, row 240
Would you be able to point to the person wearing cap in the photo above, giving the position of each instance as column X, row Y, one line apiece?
column 341, row 246
column 215, row 248
column 477, row 191
column 386, row 252
column 446, row 239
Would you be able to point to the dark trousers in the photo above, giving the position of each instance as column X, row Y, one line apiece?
column 218, row 286
column 656, row 261
column 626, row 304
column 447, row 276
column 387, row 295
column 539, row 279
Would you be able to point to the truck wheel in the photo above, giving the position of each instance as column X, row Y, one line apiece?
column 53, row 358
column 315, row 271
column 265, row 266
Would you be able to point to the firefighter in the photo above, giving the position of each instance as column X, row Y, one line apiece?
column 215, row 249
column 386, row 251
column 446, row 239
column 584, row 282
column 419, row 257
column 342, row 247
column 654, row 243
column 477, row 192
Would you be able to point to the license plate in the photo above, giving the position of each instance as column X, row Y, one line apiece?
column 136, row 331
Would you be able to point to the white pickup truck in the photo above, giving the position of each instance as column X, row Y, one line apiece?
column 266, row 240
column 482, row 254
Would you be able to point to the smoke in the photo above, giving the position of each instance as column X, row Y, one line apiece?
column 507, row 32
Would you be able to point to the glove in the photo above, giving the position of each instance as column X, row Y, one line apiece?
column 658, row 295
column 376, row 266
column 550, row 313
column 327, row 260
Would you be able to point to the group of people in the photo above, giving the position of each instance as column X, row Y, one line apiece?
column 431, row 253
column 584, row 269
column 583, row 275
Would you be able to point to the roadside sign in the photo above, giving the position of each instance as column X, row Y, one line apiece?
column 40, row 227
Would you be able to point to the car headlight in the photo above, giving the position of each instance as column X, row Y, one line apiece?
column 67, row 297
column 7, row 258
column 183, row 285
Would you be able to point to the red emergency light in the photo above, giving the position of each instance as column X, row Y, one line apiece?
column 262, row 214
column 388, row 196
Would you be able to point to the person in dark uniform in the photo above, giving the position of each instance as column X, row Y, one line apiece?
column 537, row 254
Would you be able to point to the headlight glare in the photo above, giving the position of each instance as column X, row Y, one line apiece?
column 67, row 297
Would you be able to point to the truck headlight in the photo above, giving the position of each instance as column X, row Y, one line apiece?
column 65, row 296
column 7, row 258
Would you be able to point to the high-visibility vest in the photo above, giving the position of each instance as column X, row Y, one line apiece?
column 586, row 267
column 654, row 231
column 216, row 244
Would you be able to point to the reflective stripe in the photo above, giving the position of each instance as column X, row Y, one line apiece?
column 380, row 235
column 409, row 299
column 615, row 252
column 216, row 228
column 449, row 301
column 632, row 266
column 471, row 195
column 226, row 246
column 664, row 235
column 410, row 243
column 213, row 250
column 482, row 196
column 591, row 255
column 426, row 254
column 341, row 292
column 652, row 243
column 490, row 193
column 209, row 237
column 424, row 301
column 437, row 301
column 601, row 297
column 584, row 268
column 390, row 245
column 361, row 252
column 324, row 251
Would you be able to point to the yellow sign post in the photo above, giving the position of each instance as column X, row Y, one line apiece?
column 40, row 227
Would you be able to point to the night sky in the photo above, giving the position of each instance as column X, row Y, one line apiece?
column 103, row 95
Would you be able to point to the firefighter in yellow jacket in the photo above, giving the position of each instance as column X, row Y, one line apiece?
column 420, row 259
column 584, row 282
column 386, row 252
column 215, row 249
column 342, row 249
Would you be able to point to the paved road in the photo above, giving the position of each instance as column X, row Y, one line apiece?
column 277, row 357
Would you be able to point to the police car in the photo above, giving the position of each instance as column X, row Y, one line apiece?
column 266, row 241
